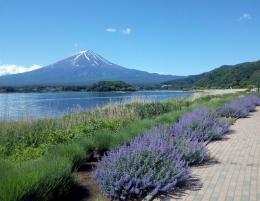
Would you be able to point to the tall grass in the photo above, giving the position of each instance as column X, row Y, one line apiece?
column 35, row 180
column 21, row 141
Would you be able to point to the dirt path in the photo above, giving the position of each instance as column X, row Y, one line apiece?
column 86, row 188
column 235, row 175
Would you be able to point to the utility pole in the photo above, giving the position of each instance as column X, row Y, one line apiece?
column 258, row 86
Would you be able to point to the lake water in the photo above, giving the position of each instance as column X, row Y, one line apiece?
column 17, row 106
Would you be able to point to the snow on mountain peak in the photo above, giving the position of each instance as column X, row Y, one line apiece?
column 89, row 57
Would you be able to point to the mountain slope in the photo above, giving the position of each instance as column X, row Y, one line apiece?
column 240, row 75
column 86, row 67
column 184, row 83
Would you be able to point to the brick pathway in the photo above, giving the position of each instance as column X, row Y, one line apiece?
column 236, row 174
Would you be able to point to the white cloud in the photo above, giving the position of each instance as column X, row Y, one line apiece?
column 8, row 69
column 127, row 31
column 245, row 16
column 112, row 30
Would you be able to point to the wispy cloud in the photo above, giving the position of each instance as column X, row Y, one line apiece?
column 245, row 16
column 8, row 69
column 127, row 31
column 111, row 30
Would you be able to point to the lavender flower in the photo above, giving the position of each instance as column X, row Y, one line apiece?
column 149, row 165
column 200, row 125
column 254, row 100
column 192, row 151
column 240, row 108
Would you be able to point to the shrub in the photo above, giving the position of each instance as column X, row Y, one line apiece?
column 234, row 110
column 148, row 165
column 146, row 110
column 23, row 153
column 200, row 125
column 192, row 151
column 255, row 100
column 40, row 180
column 248, row 103
column 239, row 108
column 75, row 153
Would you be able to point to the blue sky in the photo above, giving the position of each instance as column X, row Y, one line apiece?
column 178, row 37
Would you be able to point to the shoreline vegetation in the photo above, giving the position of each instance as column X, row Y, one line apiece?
column 95, row 88
column 215, row 92
column 112, row 86
column 102, row 86
column 38, row 159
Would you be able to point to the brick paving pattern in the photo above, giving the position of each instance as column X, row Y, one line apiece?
column 235, row 176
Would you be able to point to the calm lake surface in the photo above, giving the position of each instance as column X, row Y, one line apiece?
column 18, row 106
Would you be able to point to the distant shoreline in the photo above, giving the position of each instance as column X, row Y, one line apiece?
column 56, row 89
column 62, row 91
column 214, row 92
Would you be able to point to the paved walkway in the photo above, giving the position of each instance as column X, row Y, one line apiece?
column 236, row 174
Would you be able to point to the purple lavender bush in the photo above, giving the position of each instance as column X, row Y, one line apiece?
column 200, row 125
column 233, row 109
column 255, row 100
column 248, row 103
column 149, row 165
column 240, row 107
column 192, row 151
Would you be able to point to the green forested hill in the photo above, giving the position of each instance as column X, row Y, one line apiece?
column 184, row 83
column 236, row 76
column 111, row 86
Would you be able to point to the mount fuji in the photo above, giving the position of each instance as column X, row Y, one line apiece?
column 83, row 68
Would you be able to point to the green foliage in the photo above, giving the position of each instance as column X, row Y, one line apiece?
column 213, row 102
column 232, row 120
column 21, row 141
column 236, row 76
column 106, row 139
column 171, row 117
column 25, row 141
column 35, row 180
column 255, row 77
column 184, row 83
column 23, row 153
column 41, row 89
column 73, row 152
column 100, row 86
column 147, row 110
column 111, row 86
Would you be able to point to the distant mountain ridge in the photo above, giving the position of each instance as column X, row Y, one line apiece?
column 85, row 67
column 239, row 75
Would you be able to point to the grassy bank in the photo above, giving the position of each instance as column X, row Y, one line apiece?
column 38, row 157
